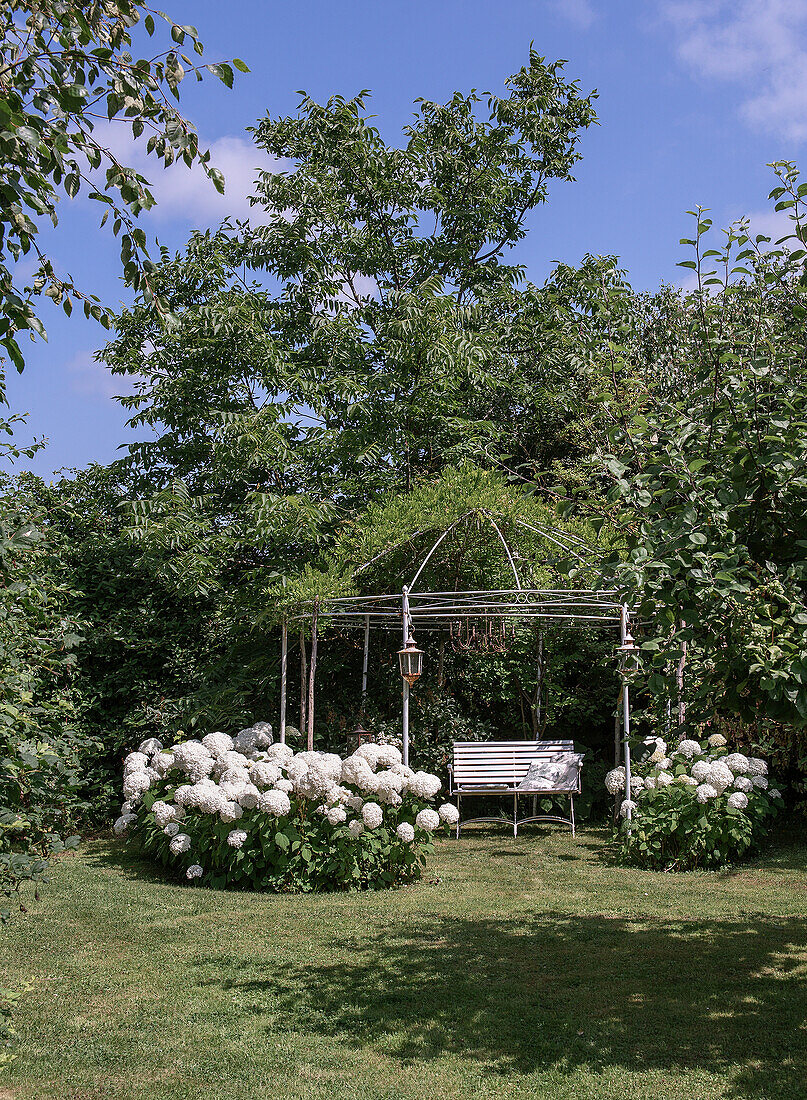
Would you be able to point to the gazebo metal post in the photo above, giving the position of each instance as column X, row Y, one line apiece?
column 626, row 713
column 405, row 708
column 364, row 661
column 312, row 671
column 284, row 663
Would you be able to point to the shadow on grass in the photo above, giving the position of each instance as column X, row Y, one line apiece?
column 563, row 992
column 111, row 852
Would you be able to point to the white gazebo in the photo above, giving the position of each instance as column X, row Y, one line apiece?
column 413, row 612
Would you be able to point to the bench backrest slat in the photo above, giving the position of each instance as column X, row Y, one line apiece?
column 500, row 762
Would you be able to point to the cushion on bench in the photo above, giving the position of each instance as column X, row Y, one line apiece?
column 557, row 773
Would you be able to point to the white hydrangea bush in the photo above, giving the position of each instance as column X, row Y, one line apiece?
column 245, row 811
column 693, row 804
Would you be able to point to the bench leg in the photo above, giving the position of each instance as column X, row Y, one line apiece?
column 459, row 812
column 515, row 815
column 571, row 803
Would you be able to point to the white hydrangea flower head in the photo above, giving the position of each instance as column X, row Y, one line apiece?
column 357, row 772
column 205, row 795
column 388, row 756
column 355, row 802
column 774, row 793
column 339, row 796
column 665, row 763
column 405, row 832
column 336, row 815
column 372, row 815
column 449, row 814
column 236, row 838
column 264, row 733
column 194, row 759
column 760, row 781
column 688, row 780
column 720, row 776
column 389, row 780
column 180, row 843
column 234, row 777
column 275, row 802
column 232, row 760
column 248, row 796
column 229, row 812
column 163, row 812
column 428, row 820
column 135, row 784
column 171, row 829
column 743, row 783
column 284, row 785
column 263, row 773
column 737, row 763
column 704, row 792
column 370, row 752
column 163, row 762
column 650, row 782
column 657, row 755
column 424, row 785
column 615, row 780
column 123, row 823
column 218, row 743
column 689, row 748
column 279, row 753
column 664, row 779
column 135, row 762
column 194, row 871
column 738, row 800
column 246, row 740
column 757, row 766
column 126, row 808
column 636, row 784
column 716, row 741
column 700, row 770
column 627, row 804
column 317, row 781
column 356, row 828
column 182, row 794
column 150, row 746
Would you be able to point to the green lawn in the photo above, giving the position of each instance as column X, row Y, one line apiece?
column 515, row 969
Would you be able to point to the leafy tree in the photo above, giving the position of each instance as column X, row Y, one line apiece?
column 65, row 67
column 712, row 473
column 41, row 745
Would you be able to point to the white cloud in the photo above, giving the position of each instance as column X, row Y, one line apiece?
column 93, row 379
column 579, row 12
column 761, row 44
column 186, row 194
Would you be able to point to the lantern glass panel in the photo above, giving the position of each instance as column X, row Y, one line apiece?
column 410, row 661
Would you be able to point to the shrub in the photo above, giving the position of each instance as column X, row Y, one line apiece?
column 694, row 806
column 244, row 812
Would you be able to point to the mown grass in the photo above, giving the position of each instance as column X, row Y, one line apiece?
column 527, row 968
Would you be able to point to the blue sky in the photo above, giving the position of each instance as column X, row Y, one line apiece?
column 695, row 97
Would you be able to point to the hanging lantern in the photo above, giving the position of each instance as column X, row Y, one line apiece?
column 360, row 736
column 410, row 661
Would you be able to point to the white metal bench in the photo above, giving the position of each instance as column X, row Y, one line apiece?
column 497, row 768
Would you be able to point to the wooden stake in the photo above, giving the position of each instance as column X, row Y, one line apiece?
column 303, row 680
